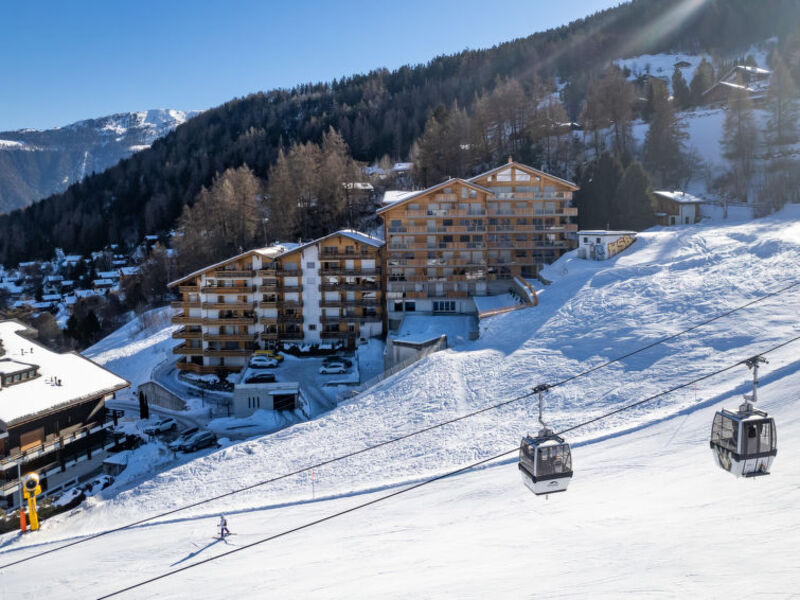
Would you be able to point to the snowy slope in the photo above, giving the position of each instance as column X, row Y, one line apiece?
column 640, row 519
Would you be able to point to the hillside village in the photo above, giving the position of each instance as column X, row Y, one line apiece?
column 600, row 257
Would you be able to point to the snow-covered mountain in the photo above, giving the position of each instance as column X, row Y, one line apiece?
column 648, row 514
column 35, row 164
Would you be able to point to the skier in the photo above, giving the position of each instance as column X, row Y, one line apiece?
column 223, row 527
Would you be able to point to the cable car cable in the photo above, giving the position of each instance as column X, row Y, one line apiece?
column 404, row 436
column 432, row 479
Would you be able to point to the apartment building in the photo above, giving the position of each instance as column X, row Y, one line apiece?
column 469, row 237
column 328, row 290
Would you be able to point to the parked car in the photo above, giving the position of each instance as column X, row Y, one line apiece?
column 184, row 435
column 263, row 362
column 261, row 378
column 269, row 354
column 333, row 369
column 160, row 426
column 201, row 439
column 337, row 359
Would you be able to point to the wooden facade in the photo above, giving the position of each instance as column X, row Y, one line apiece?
column 327, row 290
column 464, row 238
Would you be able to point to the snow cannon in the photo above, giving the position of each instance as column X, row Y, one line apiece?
column 30, row 489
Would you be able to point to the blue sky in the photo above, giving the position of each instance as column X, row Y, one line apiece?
column 66, row 61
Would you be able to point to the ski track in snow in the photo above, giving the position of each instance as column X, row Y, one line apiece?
column 637, row 520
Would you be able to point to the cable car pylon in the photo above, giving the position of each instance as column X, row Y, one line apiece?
column 545, row 461
column 744, row 442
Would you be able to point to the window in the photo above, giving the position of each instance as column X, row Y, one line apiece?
column 398, row 307
column 411, row 306
column 444, row 306
column 311, row 265
column 312, row 327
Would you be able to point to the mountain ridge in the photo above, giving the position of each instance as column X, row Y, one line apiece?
column 35, row 163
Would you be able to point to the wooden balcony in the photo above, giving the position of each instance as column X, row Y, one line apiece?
column 268, row 287
column 350, row 272
column 181, row 305
column 230, row 352
column 330, row 255
column 230, row 321
column 195, row 368
column 228, row 305
column 236, row 289
column 355, row 302
column 294, row 319
column 188, row 350
column 290, row 304
column 268, row 320
column 353, row 319
column 285, row 289
column 291, row 335
column 268, row 272
column 268, row 304
column 225, row 274
column 189, row 289
column 269, row 335
column 184, row 334
column 229, row 337
column 343, row 287
column 183, row 319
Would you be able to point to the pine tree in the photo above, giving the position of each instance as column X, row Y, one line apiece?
column 596, row 198
column 702, row 80
column 739, row 141
column 664, row 153
column 681, row 95
column 782, row 106
column 633, row 200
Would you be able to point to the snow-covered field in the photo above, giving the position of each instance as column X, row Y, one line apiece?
column 648, row 514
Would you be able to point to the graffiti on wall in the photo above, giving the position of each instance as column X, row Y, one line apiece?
column 619, row 245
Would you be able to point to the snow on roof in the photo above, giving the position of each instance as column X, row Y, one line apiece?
column 450, row 181
column 102, row 282
column 422, row 329
column 51, row 297
column 267, row 252
column 80, row 378
column 127, row 271
column 606, row 232
column 392, row 196
column 354, row 235
column 358, row 185
column 513, row 163
column 9, row 365
column 73, row 258
column 679, row 197
column 402, row 166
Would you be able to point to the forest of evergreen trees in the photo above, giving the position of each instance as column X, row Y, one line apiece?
column 499, row 100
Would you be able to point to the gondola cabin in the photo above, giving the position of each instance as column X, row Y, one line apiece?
column 744, row 443
column 545, row 464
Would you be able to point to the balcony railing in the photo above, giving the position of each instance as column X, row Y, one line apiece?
column 184, row 334
column 354, row 302
column 181, row 305
column 230, row 352
column 337, row 335
column 269, row 335
column 236, row 289
column 189, row 289
column 268, row 320
column 225, row 274
column 336, row 287
column 270, row 304
column 290, row 303
column 350, row 272
column 229, row 337
column 183, row 319
column 54, row 443
column 188, row 350
column 229, row 305
column 328, row 255
column 230, row 321
column 352, row 319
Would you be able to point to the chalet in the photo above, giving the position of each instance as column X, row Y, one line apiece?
column 676, row 208
column 250, row 397
column 754, row 80
column 471, row 237
column 53, row 418
column 326, row 291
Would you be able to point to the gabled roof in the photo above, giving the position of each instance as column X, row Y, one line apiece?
column 678, row 197
column 451, row 181
column 530, row 170
column 352, row 234
column 268, row 252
